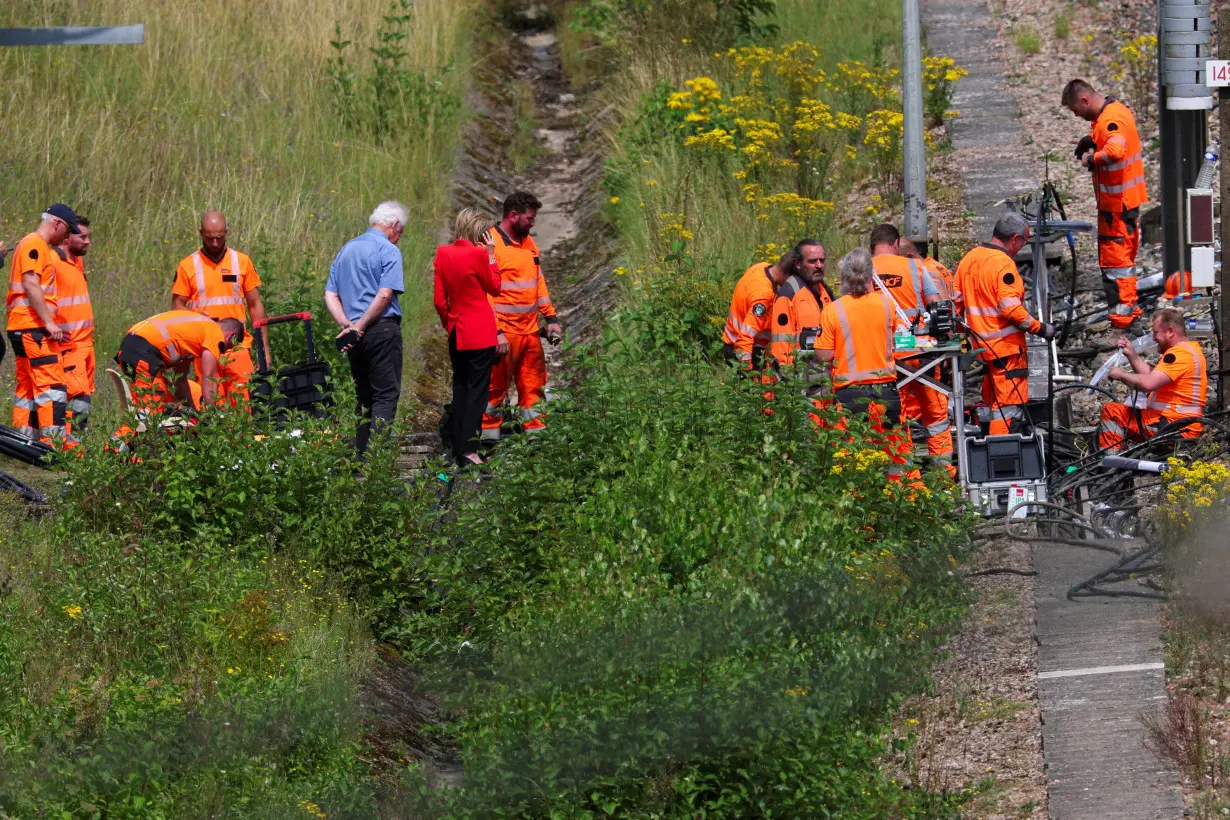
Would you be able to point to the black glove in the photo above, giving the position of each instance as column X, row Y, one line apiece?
column 1085, row 146
column 1048, row 331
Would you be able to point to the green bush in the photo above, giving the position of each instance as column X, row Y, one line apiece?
column 671, row 602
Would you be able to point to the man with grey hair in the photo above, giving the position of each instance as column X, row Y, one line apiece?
column 997, row 319
column 361, row 295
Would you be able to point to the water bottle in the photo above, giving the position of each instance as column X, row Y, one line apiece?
column 1204, row 179
column 1141, row 345
column 1195, row 325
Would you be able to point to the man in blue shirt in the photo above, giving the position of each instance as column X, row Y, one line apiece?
column 361, row 295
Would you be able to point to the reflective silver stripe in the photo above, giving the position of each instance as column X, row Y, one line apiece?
column 26, row 432
column 82, row 325
column 22, row 302
column 236, row 298
column 69, row 301
column 783, row 337
column 492, row 409
column 991, row 335
column 1119, row 273
column 1185, row 409
column 847, row 340
column 1123, row 163
column 742, row 328
column 939, row 428
column 1026, row 325
column 51, row 396
column 1009, row 303
column 80, row 405
column 519, row 284
column 1110, row 426
column 499, row 308
column 173, row 352
column 529, row 414
column 23, row 404
column 490, row 434
column 743, row 355
column 217, row 300
column 1123, row 310
column 53, row 431
column 543, row 301
column 1010, row 411
column 976, row 310
column 1118, row 189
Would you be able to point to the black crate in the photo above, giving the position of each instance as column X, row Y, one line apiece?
column 299, row 387
column 1004, row 458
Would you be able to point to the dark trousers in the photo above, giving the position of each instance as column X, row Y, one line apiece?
column 375, row 366
column 857, row 398
column 471, row 377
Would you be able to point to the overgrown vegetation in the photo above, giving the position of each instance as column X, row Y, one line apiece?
column 670, row 603
column 1191, row 730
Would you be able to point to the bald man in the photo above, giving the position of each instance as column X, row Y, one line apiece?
column 221, row 283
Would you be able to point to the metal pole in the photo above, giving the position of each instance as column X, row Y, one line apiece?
column 912, row 136
column 1223, row 113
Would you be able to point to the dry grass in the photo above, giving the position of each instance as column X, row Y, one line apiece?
column 227, row 106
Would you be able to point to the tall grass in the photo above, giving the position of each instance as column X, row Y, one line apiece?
column 227, row 105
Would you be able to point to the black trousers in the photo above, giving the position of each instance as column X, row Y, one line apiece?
column 471, row 382
column 375, row 366
column 858, row 397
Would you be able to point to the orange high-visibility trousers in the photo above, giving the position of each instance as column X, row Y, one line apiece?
column 40, row 403
column 930, row 408
column 525, row 366
column 1118, row 242
column 1119, row 423
column 234, row 372
column 1005, row 387
column 78, row 363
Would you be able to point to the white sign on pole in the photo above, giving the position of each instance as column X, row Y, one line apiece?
column 1217, row 73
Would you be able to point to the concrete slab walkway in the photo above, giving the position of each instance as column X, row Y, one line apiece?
column 1099, row 660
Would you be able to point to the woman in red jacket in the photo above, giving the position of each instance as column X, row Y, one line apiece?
column 466, row 280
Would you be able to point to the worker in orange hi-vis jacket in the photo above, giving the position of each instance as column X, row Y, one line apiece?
column 75, row 316
column 746, row 335
column 795, row 317
column 40, row 405
column 1177, row 385
column 1112, row 153
column 998, row 320
column 172, row 342
column 944, row 278
column 856, row 338
column 914, row 289
column 523, row 297
column 221, row 283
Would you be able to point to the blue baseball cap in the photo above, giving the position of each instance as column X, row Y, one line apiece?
column 62, row 211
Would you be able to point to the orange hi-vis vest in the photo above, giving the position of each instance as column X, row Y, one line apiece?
column 523, row 288
column 1187, row 391
column 217, row 289
column 32, row 255
column 747, row 323
column 796, row 308
column 180, row 335
column 74, row 313
column 859, row 331
column 994, row 306
column 1118, row 164
column 944, row 279
column 910, row 284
